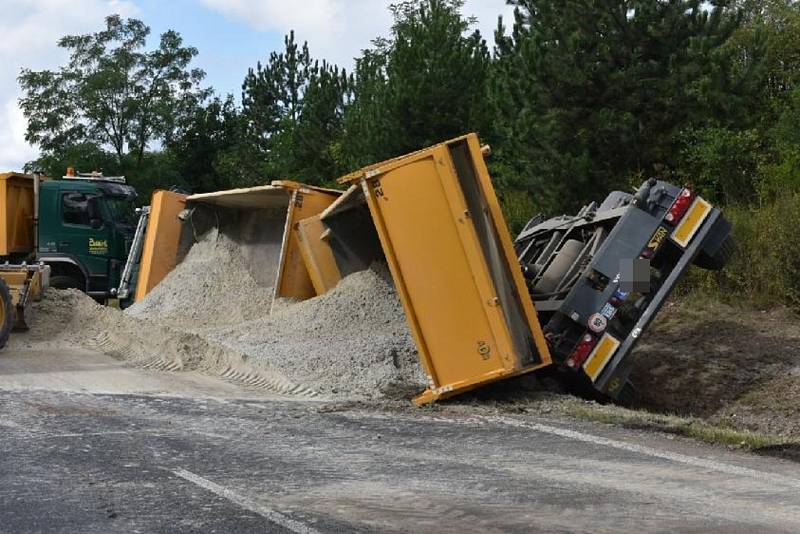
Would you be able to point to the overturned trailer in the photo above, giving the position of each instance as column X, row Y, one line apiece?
column 577, row 292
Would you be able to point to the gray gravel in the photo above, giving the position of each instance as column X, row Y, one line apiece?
column 210, row 314
column 352, row 341
column 210, row 287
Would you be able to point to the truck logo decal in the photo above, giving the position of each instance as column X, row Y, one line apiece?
column 98, row 246
column 484, row 350
column 657, row 238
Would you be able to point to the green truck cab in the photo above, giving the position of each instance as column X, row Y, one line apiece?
column 85, row 230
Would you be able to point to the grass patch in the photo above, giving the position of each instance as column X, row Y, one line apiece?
column 764, row 272
column 672, row 424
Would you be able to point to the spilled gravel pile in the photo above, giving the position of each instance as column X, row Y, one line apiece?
column 352, row 340
column 211, row 286
column 70, row 318
column 210, row 314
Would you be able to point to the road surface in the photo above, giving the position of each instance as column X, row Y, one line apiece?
column 89, row 445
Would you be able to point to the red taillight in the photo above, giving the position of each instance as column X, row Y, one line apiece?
column 582, row 351
column 679, row 207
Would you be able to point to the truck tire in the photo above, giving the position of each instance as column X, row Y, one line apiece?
column 6, row 313
column 62, row 281
column 720, row 258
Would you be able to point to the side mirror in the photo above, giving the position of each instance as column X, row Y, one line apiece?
column 96, row 224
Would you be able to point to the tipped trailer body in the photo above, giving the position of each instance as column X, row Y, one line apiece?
column 599, row 278
column 573, row 292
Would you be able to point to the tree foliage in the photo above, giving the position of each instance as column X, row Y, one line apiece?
column 424, row 84
column 579, row 97
column 113, row 93
column 292, row 109
column 588, row 94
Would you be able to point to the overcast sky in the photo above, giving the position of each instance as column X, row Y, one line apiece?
column 231, row 36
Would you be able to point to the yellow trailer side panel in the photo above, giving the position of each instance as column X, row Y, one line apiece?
column 458, row 330
column 294, row 280
column 317, row 255
column 16, row 219
column 454, row 266
column 160, row 249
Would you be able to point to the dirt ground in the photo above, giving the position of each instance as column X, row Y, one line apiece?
column 733, row 367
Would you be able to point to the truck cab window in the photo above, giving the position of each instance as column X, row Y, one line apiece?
column 75, row 208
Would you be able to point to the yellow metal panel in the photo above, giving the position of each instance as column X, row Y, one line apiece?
column 508, row 248
column 317, row 255
column 293, row 276
column 453, row 263
column 691, row 222
column 160, row 249
column 451, row 305
column 600, row 356
column 16, row 220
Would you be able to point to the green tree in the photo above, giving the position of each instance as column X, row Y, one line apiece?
column 200, row 143
column 292, row 110
column 424, row 84
column 113, row 93
column 590, row 96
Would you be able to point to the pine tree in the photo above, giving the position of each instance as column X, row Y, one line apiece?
column 424, row 84
column 591, row 95
column 291, row 113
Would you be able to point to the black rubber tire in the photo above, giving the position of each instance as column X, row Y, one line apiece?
column 66, row 282
column 8, row 313
column 718, row 260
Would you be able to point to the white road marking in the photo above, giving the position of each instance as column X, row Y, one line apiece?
column 246, row 503
column 704, row 463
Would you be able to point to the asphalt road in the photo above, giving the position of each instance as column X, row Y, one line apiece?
column 82, row 450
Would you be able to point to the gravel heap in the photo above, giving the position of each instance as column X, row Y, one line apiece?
column 210, row 314
column 211, row 286
column 351, row 341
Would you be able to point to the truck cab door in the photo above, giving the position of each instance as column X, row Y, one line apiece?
column 84, row 234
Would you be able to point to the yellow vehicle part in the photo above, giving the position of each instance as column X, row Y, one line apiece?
column 16, row 217
column 6, row 313
column 26, row 283
column 691, row 222
column 453, row 263
column 161, row 239
column 320, row 263
column 294, row 279
column 263, row 219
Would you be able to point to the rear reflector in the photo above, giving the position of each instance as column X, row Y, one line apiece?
column 688, row 227
column 679, row 207
column 600, row 356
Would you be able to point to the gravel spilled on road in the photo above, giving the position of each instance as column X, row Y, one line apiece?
column 209, row 314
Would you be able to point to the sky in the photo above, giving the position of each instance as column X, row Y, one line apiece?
column 230, row 35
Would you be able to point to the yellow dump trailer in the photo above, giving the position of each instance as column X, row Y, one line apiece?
column 160, row 248
column 264, row 220
column 440, row 228
column 22, row 282
column 16, row 219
